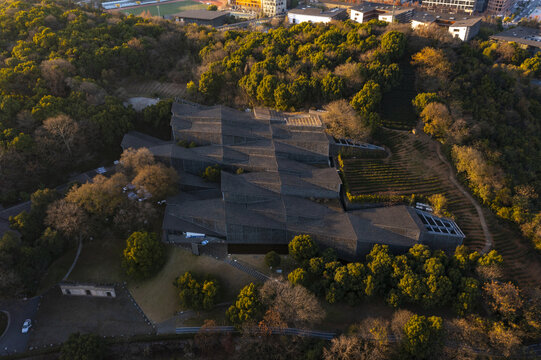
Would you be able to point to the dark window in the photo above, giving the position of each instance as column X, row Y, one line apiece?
column 88, row 292
column 109, row 294
column 68, row 292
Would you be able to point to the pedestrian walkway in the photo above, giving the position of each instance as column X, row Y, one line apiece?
column 247, row 269
column 283, row 331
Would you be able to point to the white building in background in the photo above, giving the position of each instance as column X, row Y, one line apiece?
column 467, row 6
column 461, row 26
column 388, row 13
column 273, row 7
column 315, row 15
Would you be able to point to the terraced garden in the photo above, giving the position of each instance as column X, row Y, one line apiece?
column 414, row 168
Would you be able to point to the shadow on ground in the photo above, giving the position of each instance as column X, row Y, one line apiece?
column 60, row 315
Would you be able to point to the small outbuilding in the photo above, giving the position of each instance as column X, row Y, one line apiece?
column 85, row 289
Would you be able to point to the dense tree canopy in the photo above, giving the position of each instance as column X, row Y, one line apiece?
column 302, row 65
column 478, row 99
column 195, row 293
column 144, row 255
column 58, row 69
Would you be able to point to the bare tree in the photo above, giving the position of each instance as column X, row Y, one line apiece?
column 132, row 160
column 465, row 336
column 207, row 339
column 100, row 197
column 293, row 303
column 343, row 122
column 68, row 218
column 134, row 216
column 344, row 348
column 55, row 72
column 504, row 339
column 400, row 318
column 63, row 128
column 160, row 181
column 503, row 298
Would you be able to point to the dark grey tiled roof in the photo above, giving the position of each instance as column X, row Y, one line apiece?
column 282, row 192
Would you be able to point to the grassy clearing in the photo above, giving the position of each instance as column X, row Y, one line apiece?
column 100, row 261
column 57, row 270
column 158, row 297
column 167, row 8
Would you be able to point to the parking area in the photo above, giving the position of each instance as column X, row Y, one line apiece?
column 13, row 341
column 60, row 315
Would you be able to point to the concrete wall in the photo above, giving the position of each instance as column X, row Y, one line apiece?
column 88, row 290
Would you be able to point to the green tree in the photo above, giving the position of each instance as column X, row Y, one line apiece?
column 532, row 64
column 380, row 263
column 468, row 296
column 247, row 307
column 158, row 115
column 302, row 248
column 212, row 173
column 299, row 276
column 210, row 84
column 83, row 347
column 393, row 43
column 367, row 100
column 332, row 87
column 265, row 90
column 212, row 8
column 423, row 337
column 421, row 100
column 144, row 255
column 272, row 259
column 197, row 294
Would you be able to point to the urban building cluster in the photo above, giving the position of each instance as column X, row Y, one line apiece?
column 461, row 25
column 277, row 180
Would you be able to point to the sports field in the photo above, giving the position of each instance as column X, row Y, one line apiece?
column 167, row 8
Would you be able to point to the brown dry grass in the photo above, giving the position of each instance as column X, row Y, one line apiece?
column 57, row 270
column 158, row 296
column 100, row 261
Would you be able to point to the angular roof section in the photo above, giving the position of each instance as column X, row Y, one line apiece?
column 284, row 190
column 522, row 35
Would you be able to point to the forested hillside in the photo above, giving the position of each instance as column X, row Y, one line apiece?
column 58, row 71
column 478, row 99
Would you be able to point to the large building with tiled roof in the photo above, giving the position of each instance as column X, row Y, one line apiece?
column 287, row 186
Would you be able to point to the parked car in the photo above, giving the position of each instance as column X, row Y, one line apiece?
column 26, row 326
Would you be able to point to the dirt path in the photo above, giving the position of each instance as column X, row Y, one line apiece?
column 489, row 242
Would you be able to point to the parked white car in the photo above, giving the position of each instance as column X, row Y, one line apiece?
column 26, row 326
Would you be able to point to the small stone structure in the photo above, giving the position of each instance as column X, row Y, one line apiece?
column 82, row 289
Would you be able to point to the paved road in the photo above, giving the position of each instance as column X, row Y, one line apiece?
column 13, row 340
